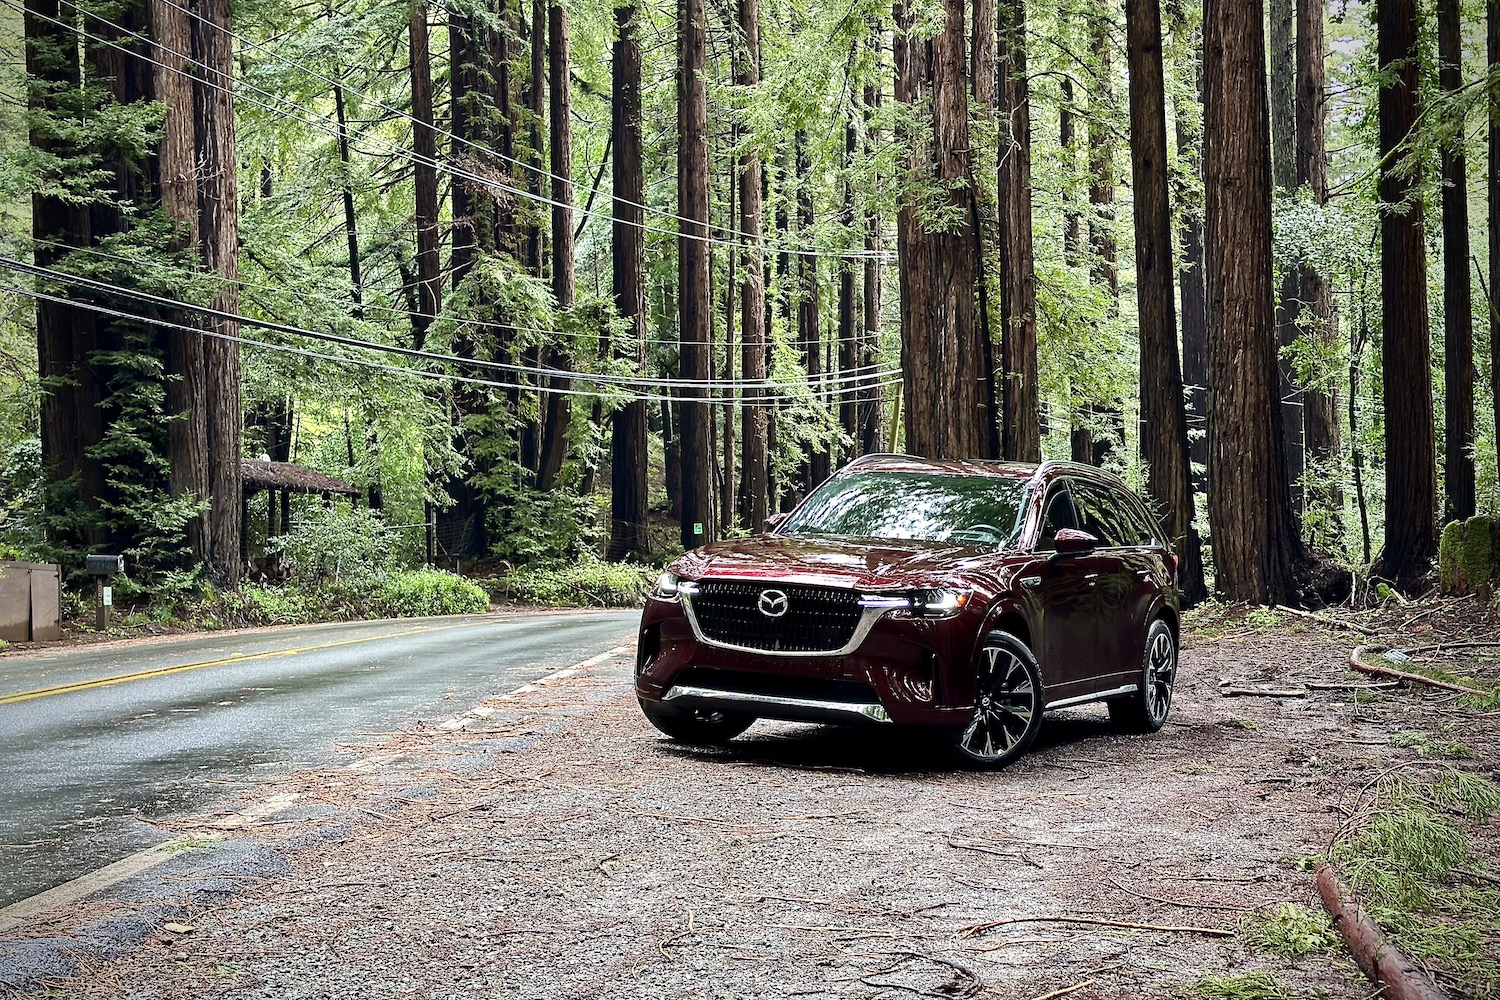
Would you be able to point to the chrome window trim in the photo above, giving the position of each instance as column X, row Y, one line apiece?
column 867, row 619
column 872, row 711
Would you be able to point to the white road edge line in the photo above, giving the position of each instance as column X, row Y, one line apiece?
column 458, row 722
column 20, row 912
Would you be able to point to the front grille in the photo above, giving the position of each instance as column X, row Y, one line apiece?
column 817, row 620
column 778, row 685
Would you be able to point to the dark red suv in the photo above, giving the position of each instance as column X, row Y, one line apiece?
column 962, row 596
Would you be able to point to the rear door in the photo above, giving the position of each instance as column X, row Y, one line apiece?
column 1115, row 585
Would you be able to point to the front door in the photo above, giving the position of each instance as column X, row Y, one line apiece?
column 1067, row 589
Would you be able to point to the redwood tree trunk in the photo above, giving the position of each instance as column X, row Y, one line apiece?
column 695, row 320
column 1410, row 468
column 1021, row 419
column 1166, row 444
column 1256, row 548
column 558, row 410
column 629, row 497
column 754, row 456
column 1283, row 72
column 1458, row 302
column 1190, row 282
column 424, row 170
column 1106, row 419
column 872, row 400
column 218, row 215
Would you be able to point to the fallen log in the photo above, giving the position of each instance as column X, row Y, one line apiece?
column 1356, row 662
column 1239, row 692
column 974, row 930
column 1382, row 961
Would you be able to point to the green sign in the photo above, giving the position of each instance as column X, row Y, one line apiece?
column 697, row 527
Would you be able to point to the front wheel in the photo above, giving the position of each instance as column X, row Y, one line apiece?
column 697, row 727
column 1007, row 704
column 1146, row 710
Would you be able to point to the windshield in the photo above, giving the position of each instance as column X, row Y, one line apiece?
column 971, row 510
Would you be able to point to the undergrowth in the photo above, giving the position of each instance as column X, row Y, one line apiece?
column 1406, row 857
column 588, row 583
column 1290, row 930
column 393, row 594
column 1245, row 986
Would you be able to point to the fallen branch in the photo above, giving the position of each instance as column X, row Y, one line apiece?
column 1238, row 692
column 1324, row 620
column 1065, row 990
column 1357, row 663
column 977, row 929
column 1331, row 686
column 1176, row 902
column 1382, row 961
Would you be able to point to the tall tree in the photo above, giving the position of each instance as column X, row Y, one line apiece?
column 558, row 410
column 629, row 487
column 218, row 226
column 1410, row 471
column 848, row 339
column 872, row 403
column 754, row 457
column 1190, row 273
column 1315, row 318
column 1256, row 546
column 1107, row 420
column 942, row 375
column 809, row 297
column 695, row 321
column 1458, row 302
column 989, row 249
column 1162, row 404
column 424, row 170
column 1021, row 418
column 1283, row 71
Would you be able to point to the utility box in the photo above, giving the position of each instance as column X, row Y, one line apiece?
column 30, row 601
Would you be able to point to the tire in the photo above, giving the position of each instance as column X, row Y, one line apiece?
column 1007, row 705
column 1146, row 711
column 697, row 727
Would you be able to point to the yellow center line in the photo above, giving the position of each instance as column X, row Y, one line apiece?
column 142, row 675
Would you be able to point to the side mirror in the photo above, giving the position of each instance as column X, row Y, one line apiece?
column 1072, row 542
column 776, row 520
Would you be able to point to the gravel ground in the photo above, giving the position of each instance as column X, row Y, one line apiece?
column 557, row 847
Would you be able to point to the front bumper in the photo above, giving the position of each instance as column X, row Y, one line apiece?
column 900, row 669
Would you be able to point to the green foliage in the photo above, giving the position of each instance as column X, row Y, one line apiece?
column 1244, row 986
column 22, row 531
column 1290, row 930
column 338, row 544
column 1402, row 860
column 1427, row 745
column 423, row 592
column 1466, row 559
column 588, row 583
column 393, row 594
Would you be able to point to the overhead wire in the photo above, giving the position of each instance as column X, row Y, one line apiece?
column 697, row 385
column 402, row 370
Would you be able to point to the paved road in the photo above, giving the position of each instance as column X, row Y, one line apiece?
column 94, row 740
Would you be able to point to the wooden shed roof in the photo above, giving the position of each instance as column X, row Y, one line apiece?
column 261, row 475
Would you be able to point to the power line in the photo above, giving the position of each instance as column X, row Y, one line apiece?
column 400, row 370
column 697, row 385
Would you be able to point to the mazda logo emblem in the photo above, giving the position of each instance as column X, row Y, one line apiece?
column 773, row 603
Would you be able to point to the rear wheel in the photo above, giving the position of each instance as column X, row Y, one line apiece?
column 1007, row 704
column 1146, row 711
column 698, row 727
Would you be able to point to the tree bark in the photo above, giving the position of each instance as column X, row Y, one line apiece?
column 1458, row 301
column 695, row 320
column 1320, row 410
column 1190, row 280
column 754, row 457
column 218, row 223
column 1410, row 468
column 941, row 355
column 629, row 496
column 558, row 410
column 1256, row 547
column 1021, row 419
column 988, row 89
column 1162, row 405
column 1106, row 418
column 424, row 169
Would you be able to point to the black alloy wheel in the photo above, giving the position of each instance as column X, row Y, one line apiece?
column 1007, row 704
column 697, row 727
column 1147, row 709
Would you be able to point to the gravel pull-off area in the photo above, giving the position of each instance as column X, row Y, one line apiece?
column 558, row 847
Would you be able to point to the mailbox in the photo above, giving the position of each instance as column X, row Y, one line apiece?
column 104, row 565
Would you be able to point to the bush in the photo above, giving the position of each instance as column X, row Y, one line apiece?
column 587, row 584
column 338, row 544
column 398, row 594
column 416, row 593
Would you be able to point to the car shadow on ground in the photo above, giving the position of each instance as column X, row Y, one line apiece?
column 886, row 750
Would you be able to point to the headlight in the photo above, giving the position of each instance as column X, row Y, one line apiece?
column 943, row 603
column 669, row 586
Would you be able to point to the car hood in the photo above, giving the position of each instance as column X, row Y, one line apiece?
column 859, row 564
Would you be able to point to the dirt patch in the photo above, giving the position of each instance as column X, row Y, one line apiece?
column 557, row 847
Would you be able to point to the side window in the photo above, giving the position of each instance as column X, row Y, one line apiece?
column 1098, row 514
column 1056, row 515
column 1143, row 525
